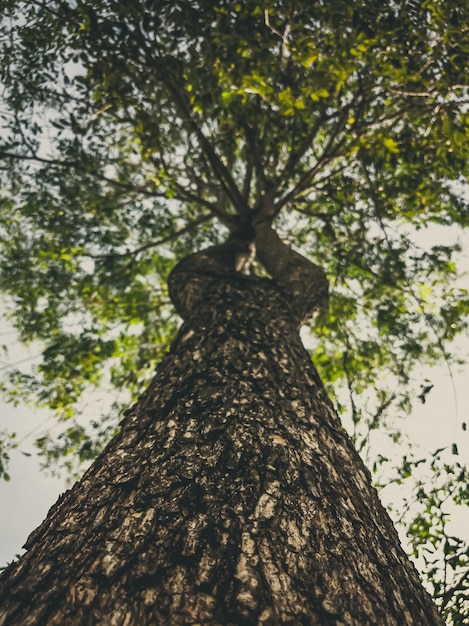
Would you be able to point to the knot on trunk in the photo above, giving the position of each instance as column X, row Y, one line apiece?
column 301, row 281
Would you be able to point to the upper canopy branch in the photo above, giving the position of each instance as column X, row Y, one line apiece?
column 218, row 167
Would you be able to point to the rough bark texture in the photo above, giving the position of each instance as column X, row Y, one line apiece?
column 232, row 495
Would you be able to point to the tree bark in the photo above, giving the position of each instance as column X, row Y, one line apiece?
column 232, row 495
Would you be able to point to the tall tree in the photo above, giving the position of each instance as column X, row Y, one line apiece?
column 137, row 133
column 232, row 494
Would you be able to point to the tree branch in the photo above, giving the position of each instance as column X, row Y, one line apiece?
column 153, row 244
column 296, row 155
column 218, row 167
column 248, row 178
column 187, row 228
column 458, row 586
column 329, row 153
column 183, row 196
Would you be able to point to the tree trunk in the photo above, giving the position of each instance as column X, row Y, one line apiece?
column 232, row 495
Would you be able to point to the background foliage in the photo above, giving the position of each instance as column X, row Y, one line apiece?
column 135, row 133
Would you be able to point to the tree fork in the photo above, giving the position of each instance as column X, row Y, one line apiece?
column 232, row 494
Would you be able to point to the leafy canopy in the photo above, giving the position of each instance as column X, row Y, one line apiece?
column 135, row 132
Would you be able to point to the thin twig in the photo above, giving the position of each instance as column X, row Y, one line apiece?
column 188, row 227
